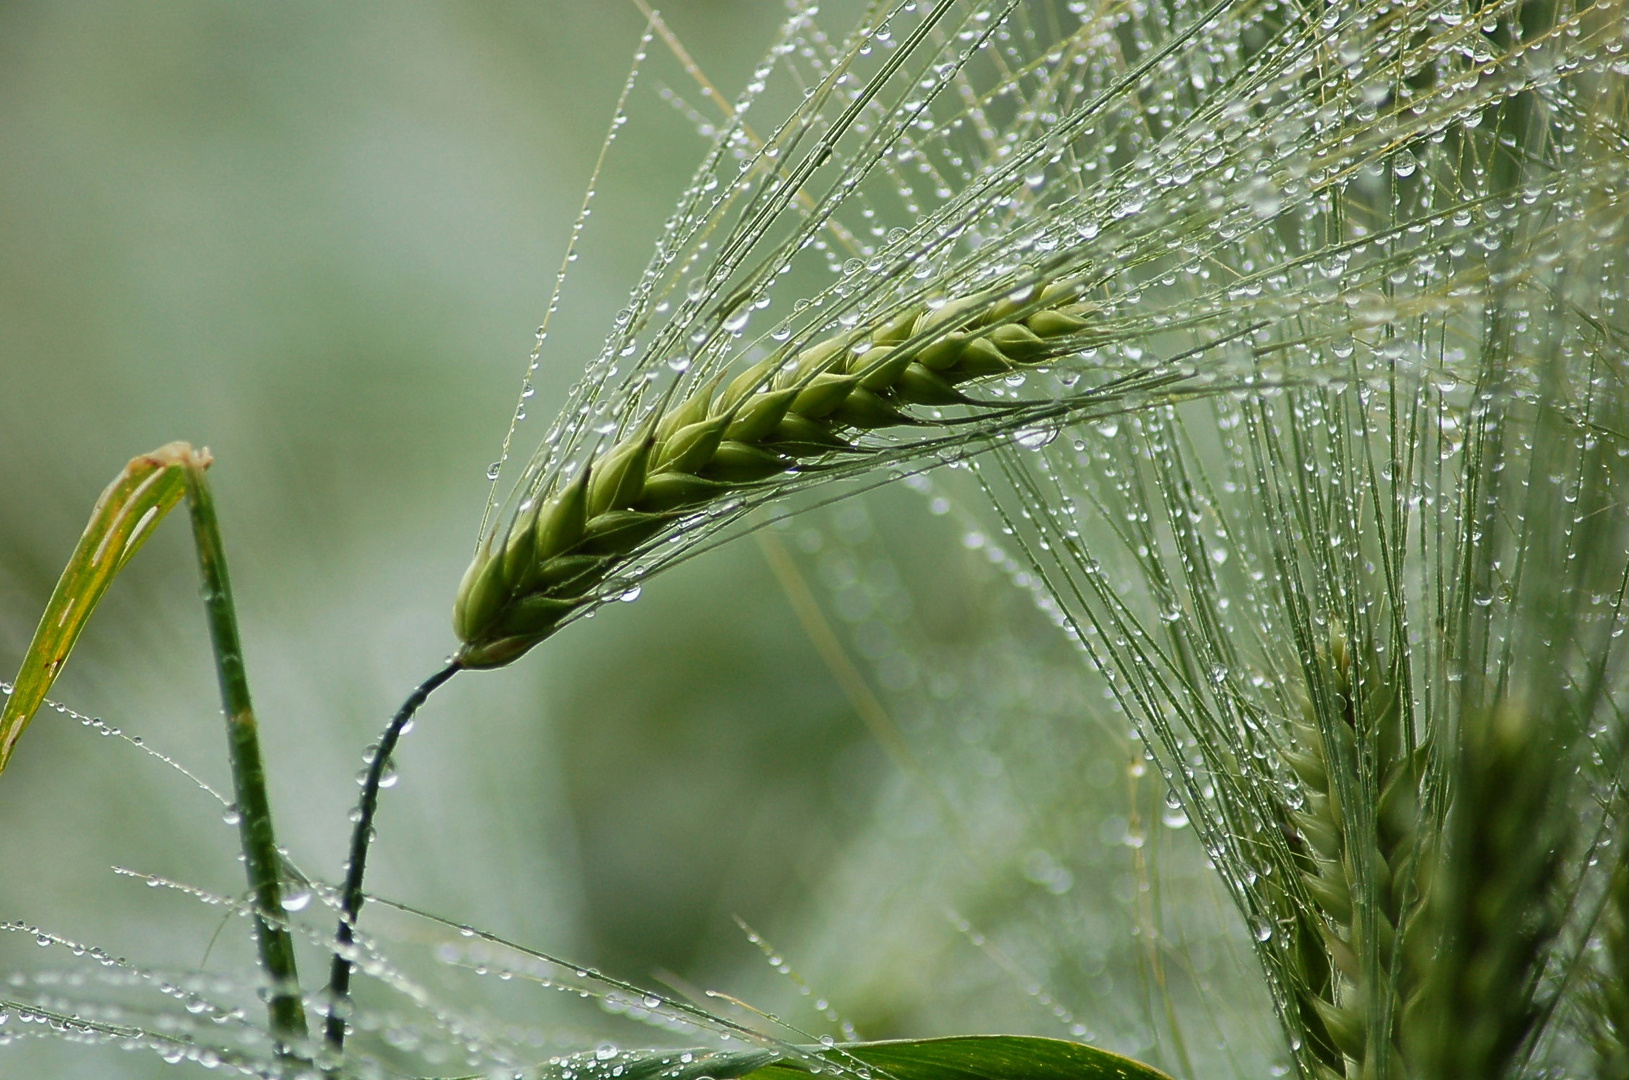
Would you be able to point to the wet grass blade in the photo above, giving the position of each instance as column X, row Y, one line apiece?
column 961, row 1057
column 126, row 514
column 974, row 1057
column 131, row 506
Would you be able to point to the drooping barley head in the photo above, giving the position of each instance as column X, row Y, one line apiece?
column 791, row 410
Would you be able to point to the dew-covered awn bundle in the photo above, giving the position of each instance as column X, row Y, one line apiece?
column 962, row 225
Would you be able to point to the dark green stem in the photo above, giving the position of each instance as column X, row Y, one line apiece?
column 339, row 976
column 260, row 856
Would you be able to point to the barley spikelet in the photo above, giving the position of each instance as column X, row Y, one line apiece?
column 1382, row 897
column 1608, row 1002
column 790, row 410
column 1493, row 906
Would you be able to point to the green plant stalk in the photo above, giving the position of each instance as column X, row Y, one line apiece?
column 339, row 975
column 255, row 833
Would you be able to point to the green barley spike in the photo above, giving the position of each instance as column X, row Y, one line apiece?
column 788, row 409
column 1362, row 707
column 1494, row 908
column 1607, row 1002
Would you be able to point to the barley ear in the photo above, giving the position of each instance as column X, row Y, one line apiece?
column 1356, row 710
column 1606, row 1003
column 1493, row 908
column 790, row 409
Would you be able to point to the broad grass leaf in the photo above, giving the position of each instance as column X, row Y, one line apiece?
column 125, row 515
column 976, row 1057
column 961, row 1057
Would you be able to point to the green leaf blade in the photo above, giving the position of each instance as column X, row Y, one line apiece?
column 125, row 515
column 957, row 1057
column 975, row 1057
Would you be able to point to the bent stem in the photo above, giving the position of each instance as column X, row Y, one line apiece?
column 339, row 976
column 260, row 856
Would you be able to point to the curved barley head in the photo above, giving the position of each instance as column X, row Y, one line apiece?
column 794, row 412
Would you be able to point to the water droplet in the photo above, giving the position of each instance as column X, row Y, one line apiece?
column 1264, row 198
column 493, row 469
column 1403, row 163
column 296, row 898
column 1371, row 308
column 1036, row 438
column 1174, row 818
column 231, row 815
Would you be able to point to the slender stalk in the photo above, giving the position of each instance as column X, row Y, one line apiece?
column 339, row 976
column 260, row 856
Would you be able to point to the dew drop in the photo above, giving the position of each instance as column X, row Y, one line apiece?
column 1265, row 200
column 1371, row 309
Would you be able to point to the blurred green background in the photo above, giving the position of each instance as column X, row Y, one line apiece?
column 317, row 239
